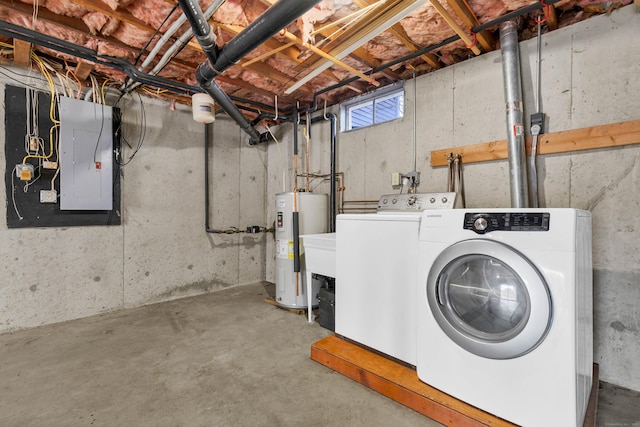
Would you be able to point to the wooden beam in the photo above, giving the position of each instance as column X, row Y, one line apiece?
column 121, row 15
column 398, row 31
column 83, row 69
column 464, row 36
column 363, row 55
column 590, row 138
column 244, row 85
column 21, row 53
column 265, row 70
column 431, row 59
column 336, row 61
column 552, row 20
column 62, row 21
column 463, row 10
column 400, row 383
column 288, row 52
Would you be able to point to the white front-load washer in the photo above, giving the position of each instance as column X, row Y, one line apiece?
column 376, row 262
column 504, row 311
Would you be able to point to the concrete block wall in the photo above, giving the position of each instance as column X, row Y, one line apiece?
column 589, row 78
column 161, row 251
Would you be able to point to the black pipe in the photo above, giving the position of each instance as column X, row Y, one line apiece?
column 207, row 137
column 200, row 26
column 332, row 192
column 509, row 16
column 263, row 28
column 296, row 241
column 274, row 19
column 227, row 105
column 295, row 133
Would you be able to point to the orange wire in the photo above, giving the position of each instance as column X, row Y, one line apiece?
column 75, row 77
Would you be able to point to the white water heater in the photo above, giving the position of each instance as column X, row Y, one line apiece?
column 312, row 213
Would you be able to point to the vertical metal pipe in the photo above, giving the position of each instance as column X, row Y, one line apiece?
column 515, row 125
column 332, row 174
column 332, row 194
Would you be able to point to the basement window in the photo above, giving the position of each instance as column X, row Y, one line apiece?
column 376, row 107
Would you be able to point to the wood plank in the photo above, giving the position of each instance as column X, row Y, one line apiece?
column 398, row 382
column 590, row 138
column 21, row 53
column 592, row 406
column 357, row 31
column 464, row 11
column 73, row 24
column 121, row 15
column 552, row 20
column 453, row 24
column 398, row 31
column 83, row 69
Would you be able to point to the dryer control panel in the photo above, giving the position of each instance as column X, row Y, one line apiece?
column 482, row 223
column 416, row 202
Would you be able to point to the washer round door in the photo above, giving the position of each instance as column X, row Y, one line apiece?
column 489, row 299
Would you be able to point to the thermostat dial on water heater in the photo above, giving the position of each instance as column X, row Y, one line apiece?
column 416, row 202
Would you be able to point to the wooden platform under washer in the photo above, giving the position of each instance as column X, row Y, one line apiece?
column 400, row 383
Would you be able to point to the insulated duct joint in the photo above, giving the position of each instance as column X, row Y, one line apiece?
column 205, row 73
column 208, row 42
column 265, row 137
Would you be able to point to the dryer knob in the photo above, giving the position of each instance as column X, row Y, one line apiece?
column 480, row 224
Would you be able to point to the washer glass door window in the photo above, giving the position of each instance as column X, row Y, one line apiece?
column 489, row 299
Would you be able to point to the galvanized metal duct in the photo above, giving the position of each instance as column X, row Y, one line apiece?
column 515, row 125
column 263, row 28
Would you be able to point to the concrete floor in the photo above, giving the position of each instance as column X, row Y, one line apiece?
column 221, row 359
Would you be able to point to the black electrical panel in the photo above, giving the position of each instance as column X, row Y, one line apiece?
column 26, row 205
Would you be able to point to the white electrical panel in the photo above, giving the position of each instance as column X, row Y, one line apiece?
column 86, row 155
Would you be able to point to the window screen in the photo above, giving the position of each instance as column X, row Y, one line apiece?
column 376, row 107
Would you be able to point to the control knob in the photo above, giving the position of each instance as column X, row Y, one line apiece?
column 412, row 200
column 480, row 224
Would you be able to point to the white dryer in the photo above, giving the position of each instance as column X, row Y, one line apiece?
column 504, row 311
column 376, row 262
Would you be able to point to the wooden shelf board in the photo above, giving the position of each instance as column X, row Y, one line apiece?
column 400, row 383
column 604, row 136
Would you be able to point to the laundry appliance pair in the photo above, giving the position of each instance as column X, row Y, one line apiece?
column 501, row 311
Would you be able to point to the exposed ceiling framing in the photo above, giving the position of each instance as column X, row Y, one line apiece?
column 328, row 53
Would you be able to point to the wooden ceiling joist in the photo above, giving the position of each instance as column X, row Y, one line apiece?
column 464, row 36
column 463, row 11
column 83, row 69
column 66, row 22
column 21, row 53
column 398, row 31
column 289, row 52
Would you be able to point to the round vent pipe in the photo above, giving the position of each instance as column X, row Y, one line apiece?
column 515, row 125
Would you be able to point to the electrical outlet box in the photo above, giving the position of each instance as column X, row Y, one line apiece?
column 49, row 165
column 24, row 171
column 48, row 196
column 395, row 178
column 33, row 143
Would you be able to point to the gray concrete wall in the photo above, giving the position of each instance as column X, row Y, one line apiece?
column 161, row 251
column 589, row 78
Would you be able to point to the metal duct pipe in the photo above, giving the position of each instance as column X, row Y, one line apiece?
column 263, row 28
column 515, row 125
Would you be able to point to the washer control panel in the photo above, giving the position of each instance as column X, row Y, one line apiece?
column 416, row 202
column 482, row 223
